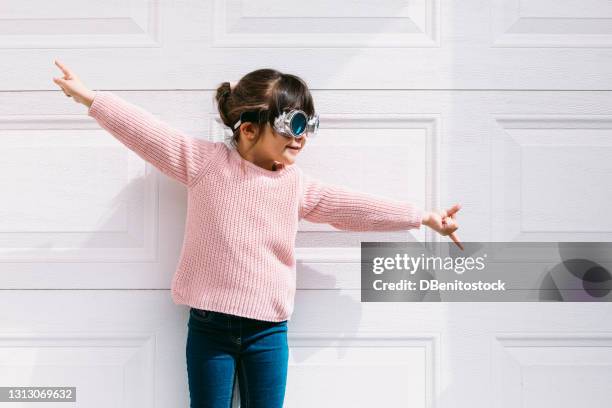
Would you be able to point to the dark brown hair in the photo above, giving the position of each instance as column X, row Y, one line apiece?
column 262, row 89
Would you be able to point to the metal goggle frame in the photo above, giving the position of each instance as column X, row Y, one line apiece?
column 294, row 123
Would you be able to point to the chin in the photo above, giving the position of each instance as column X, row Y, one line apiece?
column 289, row 157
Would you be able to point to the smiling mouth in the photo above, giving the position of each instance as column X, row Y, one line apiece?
column 293, row 147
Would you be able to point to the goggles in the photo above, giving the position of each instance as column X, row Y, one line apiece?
column 294, row 123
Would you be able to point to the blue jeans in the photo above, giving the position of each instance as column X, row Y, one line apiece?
column 223, row 347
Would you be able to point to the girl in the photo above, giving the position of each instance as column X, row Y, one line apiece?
column 237, row 269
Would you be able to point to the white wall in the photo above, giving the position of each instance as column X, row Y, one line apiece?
column 499, row 105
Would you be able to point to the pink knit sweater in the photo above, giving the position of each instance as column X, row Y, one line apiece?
column 242, row 219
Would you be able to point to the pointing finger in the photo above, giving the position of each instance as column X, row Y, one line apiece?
column 456, row 240
column 64, row 69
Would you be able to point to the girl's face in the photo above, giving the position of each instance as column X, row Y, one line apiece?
column 272, row 147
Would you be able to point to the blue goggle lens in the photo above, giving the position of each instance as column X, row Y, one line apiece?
column 298, row 124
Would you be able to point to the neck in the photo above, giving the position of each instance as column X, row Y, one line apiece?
column 274, row 166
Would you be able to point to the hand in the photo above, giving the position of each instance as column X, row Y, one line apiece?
column 73, row 87
column 443, row 221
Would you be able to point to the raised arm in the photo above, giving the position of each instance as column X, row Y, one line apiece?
column 176, row 154
column 351, row 210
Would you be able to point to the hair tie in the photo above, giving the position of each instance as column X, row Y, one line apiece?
column 229, row 91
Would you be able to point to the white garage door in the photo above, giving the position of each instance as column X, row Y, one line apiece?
column 501, row 105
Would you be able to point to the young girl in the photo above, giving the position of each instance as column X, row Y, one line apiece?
column 237, row 269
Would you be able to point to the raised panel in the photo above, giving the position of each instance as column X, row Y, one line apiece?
column 544, row 177
column 108, row 370
column 363, row 370
column 556, row 370
column 53, row 214
column 392, row 23
column 549, row 23
column 78, row 24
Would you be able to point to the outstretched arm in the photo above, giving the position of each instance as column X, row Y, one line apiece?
column 176, row 154
column 351, row 210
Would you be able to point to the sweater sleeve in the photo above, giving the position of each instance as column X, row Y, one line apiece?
column 351, row 210
column 174, row 153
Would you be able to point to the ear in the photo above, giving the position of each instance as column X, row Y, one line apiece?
column 248, row 130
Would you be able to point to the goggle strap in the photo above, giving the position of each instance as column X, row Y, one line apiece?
column 252, row 116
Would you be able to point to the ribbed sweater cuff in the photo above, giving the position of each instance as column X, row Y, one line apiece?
column 413, row 215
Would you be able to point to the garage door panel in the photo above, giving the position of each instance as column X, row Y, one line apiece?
column 427, row 44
